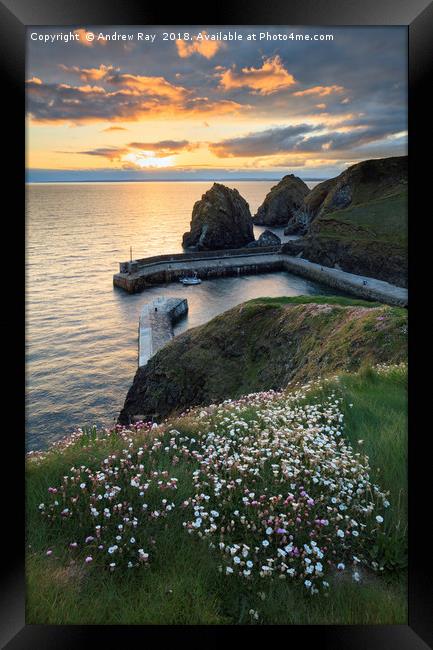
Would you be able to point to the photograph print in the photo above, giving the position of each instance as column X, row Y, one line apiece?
column 216, row 325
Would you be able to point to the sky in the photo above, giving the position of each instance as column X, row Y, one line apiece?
column 200, row 107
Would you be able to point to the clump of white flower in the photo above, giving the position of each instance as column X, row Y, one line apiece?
column 278, row 492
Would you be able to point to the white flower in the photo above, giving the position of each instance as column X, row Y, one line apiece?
column 229, row 570
column 379, row 519
column 265, row 543
column 341, row 566
column 269, row 530
column 307, row 583
column 340, row 533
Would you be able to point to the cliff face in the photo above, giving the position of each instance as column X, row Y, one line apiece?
column 221, row 219
column 264, row 344
column 282, row 202
column 358, row 221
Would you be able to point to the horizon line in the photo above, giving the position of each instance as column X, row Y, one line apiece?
column 163, row 180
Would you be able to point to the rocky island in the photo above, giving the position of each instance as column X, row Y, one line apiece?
column 282, row 203
column 221, row 219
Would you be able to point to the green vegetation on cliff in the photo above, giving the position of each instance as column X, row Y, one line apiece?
column 382, row 220
column 265, row 344
column 358, row 221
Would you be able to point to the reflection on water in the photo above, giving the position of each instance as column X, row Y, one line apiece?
column 81, row 332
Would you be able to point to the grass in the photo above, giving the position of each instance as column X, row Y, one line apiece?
column 381, row 220
column 264, row 344
column 317, row 300
column 183, row 585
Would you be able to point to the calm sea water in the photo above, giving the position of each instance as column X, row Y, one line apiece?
column 82, row 332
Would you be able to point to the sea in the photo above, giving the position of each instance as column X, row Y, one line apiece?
column 81, row 332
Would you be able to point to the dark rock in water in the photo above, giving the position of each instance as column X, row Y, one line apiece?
column 267, row 238
column 282, row 202
column 221, row 219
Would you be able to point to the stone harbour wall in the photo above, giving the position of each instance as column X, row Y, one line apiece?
column 240, row 263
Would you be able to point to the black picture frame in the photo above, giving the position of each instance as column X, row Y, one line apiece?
column 15, row 16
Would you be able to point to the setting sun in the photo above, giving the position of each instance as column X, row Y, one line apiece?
column 147, row 159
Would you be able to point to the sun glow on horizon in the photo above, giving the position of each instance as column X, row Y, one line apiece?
column 147, row 160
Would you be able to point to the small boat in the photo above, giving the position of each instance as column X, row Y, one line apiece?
column 191, row 279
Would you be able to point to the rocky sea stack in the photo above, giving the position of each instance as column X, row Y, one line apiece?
column 220, row 220
column 282, row 202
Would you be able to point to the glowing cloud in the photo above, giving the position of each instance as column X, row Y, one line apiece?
column 82, row 35
column 205, row 48
column 146, row 160
column 270, row 78
column 88, row 74
column 320, row 91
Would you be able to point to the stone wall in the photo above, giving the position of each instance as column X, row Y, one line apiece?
column 261, row 262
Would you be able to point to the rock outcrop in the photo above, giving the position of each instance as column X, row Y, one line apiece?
column 267, row 238
column 358, row 221
column 282, row 202
column 220, row 220
column 303, row 217
column 265, row 344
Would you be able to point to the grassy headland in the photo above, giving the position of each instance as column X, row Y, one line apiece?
column 266, row 344
column 358, row 221
column 242, row 474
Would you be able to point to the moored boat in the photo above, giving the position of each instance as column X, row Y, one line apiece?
column 191, row 279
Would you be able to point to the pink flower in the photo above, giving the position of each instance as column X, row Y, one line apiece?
column 88, row 559
column 49, row 552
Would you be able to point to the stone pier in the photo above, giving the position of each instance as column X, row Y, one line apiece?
column 156, row 322
column 138, row 275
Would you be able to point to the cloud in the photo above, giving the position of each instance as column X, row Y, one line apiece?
column 165, row 147
column 112, row 153
column 82, row 36
column 88, row 74
column 115, row 128
column 270, row 78
column 308, row 138
column 123, row 97
column 320, row 91
column 135, row 153
column 203, row 47
column 151, row 86
column 268, row 142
